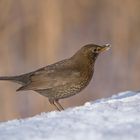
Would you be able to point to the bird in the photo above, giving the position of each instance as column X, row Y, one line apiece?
column 61, row 79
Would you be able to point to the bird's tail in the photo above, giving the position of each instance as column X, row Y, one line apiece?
column 11, row 78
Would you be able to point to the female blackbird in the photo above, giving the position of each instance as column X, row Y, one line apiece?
column 64, row 78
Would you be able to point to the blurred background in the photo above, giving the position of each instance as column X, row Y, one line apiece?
column 36, row 33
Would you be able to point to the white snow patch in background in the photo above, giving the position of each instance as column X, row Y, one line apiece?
column 115, row 118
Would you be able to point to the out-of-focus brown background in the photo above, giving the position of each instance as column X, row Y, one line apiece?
column 36, row 33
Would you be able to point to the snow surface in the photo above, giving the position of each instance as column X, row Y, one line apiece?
column 114, row 118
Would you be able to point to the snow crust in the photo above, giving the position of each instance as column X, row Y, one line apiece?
column 114, row 118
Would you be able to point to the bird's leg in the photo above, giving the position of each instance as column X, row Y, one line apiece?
column 59, row 105
column 53, row 103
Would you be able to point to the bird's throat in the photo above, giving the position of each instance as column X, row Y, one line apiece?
column 94, row 56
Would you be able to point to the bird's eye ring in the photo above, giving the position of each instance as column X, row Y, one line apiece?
column 96, row 50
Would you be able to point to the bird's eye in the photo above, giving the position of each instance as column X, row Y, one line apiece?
column 95, row 50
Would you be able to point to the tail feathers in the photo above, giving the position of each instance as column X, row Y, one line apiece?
column 11, row 78
column 7, row 78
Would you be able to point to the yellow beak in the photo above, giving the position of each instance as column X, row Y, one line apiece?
column 105, row 47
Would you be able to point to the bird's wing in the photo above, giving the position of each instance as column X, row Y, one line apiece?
column 50, row 77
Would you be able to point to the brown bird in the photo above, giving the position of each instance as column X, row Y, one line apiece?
column 64, row 78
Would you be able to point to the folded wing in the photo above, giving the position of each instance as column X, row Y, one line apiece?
column 50, row 77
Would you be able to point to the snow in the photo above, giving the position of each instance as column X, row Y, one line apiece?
column 114, row 118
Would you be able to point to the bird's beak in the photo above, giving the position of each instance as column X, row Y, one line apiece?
column 105, row 47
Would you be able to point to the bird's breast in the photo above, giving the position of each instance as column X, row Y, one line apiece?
column 86, row 78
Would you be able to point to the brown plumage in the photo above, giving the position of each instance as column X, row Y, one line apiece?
column 64, row 78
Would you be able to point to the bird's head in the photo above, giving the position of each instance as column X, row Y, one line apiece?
column 91, row 51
